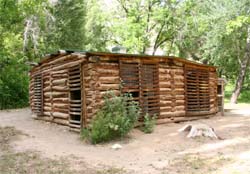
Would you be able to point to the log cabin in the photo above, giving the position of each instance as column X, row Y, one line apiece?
column 68, row 87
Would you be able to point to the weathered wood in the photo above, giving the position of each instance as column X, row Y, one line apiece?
column 158, row 84
column 60, row 115
column 199, row 129
column 59, row 81
column 179, row 119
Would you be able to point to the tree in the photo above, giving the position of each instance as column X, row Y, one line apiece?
column 96, row 27
column 13, row 71
column 244, row 63
column 141, row 25
column 217, row 32
column 67, row 29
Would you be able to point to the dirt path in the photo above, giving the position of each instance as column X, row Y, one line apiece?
column 160, row 152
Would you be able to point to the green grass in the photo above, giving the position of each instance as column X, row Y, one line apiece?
column 243, row 98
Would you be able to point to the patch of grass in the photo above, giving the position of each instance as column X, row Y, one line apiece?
column 6, row 135
column 112, row 170
column 31, row 162
column 196, row 164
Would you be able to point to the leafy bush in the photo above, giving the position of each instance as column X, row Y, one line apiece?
column 13, row 86
column 149, row 123
column 114, row 120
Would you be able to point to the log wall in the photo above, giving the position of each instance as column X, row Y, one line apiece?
column 99, row 77
column 166, row 95
column 171, row 82
column 55, row 100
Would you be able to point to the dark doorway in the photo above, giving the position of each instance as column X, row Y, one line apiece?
column 75, row 86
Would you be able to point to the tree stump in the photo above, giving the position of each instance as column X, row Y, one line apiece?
column 198, row 130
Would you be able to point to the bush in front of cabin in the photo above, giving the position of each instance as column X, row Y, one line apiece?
column 149, row 123
column 114, row 120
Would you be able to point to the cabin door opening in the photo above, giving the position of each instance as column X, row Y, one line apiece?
column 75, row 97
column 197, row 91
column 38, row 95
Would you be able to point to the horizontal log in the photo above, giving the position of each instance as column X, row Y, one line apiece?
column 105, row 72
column 109, row 80
column 61, row 99
column 200, row 113
column 180, row 108
column 75, row 76
column 48, row 88
column 76, row 109
column 60, row 115
column 60, row 88
column 179, row 119
column 62, row 110
column 75, row 122
column 75, row 101
column 104, row 66
column 47, row 113
column 105, row 87
column 59, row 81
column 60, row 105
column 64, row 71
column 59, row 76
column 47, row 104
column 165, row 103
column 47, row 108
column 75, row 80
column 165, row 108
column 54, row 94
column 65, row 66
column 172, row 114
column 57, row 59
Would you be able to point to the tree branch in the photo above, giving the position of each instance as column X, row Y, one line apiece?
column 123, row 6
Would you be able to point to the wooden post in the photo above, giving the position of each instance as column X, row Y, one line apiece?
column 185, row 87
column 83, row 98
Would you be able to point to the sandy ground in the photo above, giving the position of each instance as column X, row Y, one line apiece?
column 163, row 151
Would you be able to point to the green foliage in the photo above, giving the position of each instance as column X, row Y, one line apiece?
column 244, row 95
column 141, row 24
column 114, row 120
column 149, row 123
column 97, row 31
column 13, row 86
column 13, row 71
column 69, row 32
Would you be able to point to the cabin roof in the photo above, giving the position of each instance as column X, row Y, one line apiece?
column 118, row 55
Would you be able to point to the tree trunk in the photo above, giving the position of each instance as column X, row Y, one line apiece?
column 242, row 72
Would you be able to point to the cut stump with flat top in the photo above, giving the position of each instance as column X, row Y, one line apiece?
column 198, row 130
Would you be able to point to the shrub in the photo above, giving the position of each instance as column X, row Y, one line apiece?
column 13, row 86
column 114, row 120
column 149, row 123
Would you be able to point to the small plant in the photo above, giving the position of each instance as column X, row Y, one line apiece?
column 149, row 123
column 114, row 120
column 84, row 134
